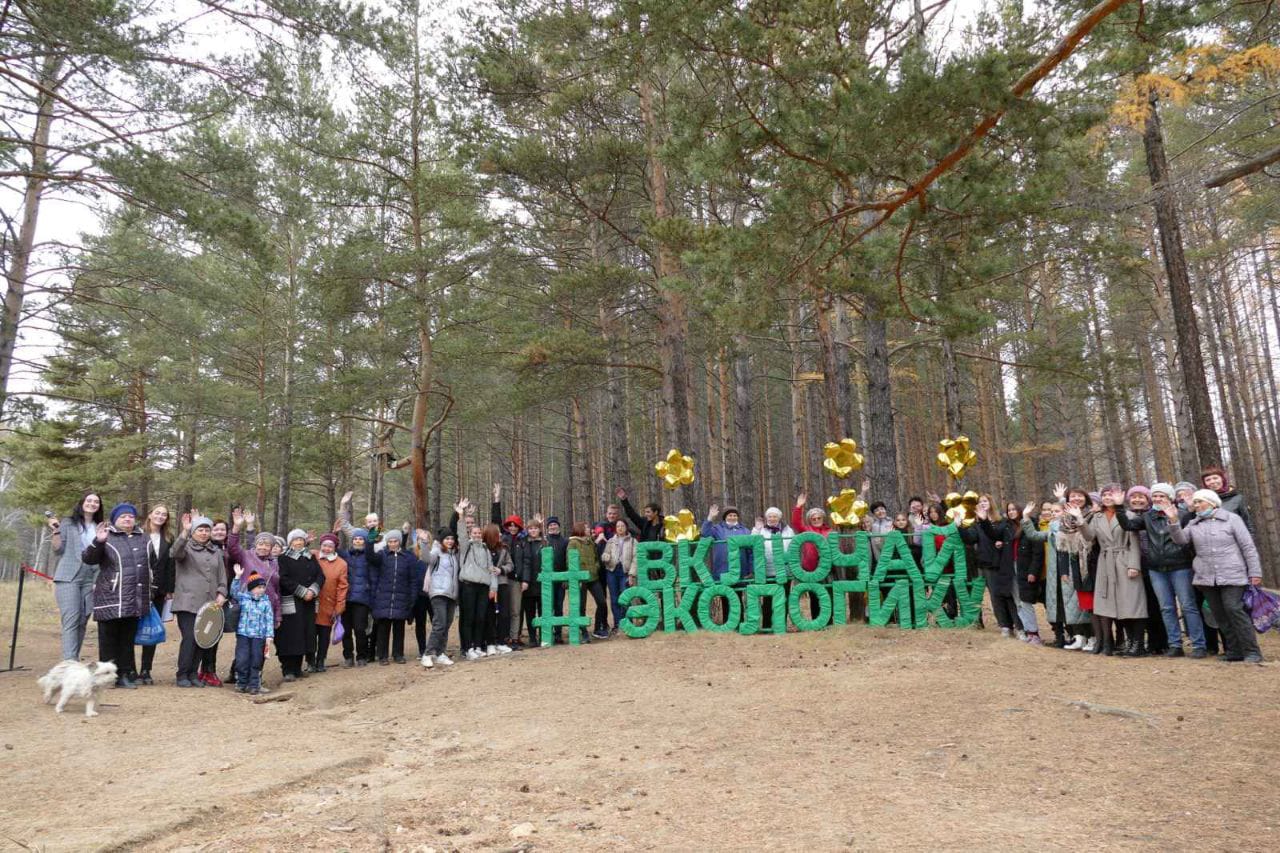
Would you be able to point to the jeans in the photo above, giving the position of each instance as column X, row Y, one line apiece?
column 250, row 654
column 1227, row 604
column 115, row 643
column 616, row 580
column 1027, row 616
column 188, row 652
column 1174, row 590
column 356, row 640
column 442, row 611
column 75, row 606
column 473, row 604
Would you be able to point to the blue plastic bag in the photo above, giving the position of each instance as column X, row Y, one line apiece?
column 338, row 631
column 150, row 629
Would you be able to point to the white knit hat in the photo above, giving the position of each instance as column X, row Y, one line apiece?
column 1209, row 496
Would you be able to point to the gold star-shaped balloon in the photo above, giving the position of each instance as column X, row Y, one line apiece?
column 680, row 526
column 846, row 508
column 961, row 507
column 675, row 470
column 955, row 457
column 842, row 457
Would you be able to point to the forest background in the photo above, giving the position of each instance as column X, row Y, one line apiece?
column 413, row 250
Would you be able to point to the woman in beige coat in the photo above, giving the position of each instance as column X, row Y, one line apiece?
column 1118, row 594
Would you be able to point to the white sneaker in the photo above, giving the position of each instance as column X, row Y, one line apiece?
column 1021, row 635
column 1076, row 644
column 443, row 660
column 1089, row 646
column 426, row 661
column 474, row 654
column 490, row 651
column 503, row 650
column 1004, row 632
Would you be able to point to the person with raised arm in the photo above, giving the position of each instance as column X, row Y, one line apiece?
column 122, row 589
column 73, row 577
column 1226, row 562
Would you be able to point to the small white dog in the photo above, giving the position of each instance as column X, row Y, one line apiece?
column 78, row 681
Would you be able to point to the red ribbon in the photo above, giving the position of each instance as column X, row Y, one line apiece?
column 27, row 568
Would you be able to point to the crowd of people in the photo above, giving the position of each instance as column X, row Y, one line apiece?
column 1118, row 572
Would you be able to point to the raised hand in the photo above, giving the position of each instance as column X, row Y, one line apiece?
column 802, row 499
column 186, row 522
column 620, row 493
column 713, row 512
column 237, row 519
column 239, row 570
column 866, row 485
column 104, row 530
column 933, row 497
column 460, row 506
column 1059, row 490
column 249, row 519
column 1028, row 509
column 1171, row 510
column 337, row 526
column 311, row 536
column 497, row 492
column 346, row 498
column 54, row 524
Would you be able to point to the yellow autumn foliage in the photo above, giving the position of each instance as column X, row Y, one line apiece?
column 1190, row 74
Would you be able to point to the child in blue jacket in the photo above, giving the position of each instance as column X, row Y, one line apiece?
column 254, row 633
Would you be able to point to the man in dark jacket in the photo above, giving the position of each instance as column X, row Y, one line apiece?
column 648, row 527
column 1168, row 565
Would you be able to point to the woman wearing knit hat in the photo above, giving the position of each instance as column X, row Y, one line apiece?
column 332, row 601
column 300, row 583
column 1226, row 562
column 397, row 576
column 121, row 592
column 357, row 639
column 258, row 560
column 1214, row 478
column 1168, row 566
column 198, row 578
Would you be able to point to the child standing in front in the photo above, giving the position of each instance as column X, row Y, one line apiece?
column 254, row 633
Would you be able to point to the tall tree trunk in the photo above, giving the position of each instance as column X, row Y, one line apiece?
column 746, row 480
column 672, row 319
column 22, row 251
column 1118, row 465
column 1175, row 264
column 799, row 461
column 881, row 444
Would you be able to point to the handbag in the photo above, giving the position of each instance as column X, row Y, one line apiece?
column 150, row 629
column 338, row 631
column 230, row 616
column 1263, row 608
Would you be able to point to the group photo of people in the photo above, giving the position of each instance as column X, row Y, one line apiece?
column 1143, row 570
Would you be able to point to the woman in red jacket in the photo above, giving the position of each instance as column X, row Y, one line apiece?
column 810, row 521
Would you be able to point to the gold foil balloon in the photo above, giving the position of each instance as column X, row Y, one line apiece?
column 846, row 508
column 960, row 508
column 675, row 470
column 680, row 526
column 955, row 457
column 842, row 457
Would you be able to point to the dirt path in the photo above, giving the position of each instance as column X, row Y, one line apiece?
column 853, row 738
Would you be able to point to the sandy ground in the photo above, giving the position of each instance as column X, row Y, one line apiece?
column 851, row 738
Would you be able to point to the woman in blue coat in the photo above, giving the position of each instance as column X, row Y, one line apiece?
column 357, row 644
column 396, row 577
